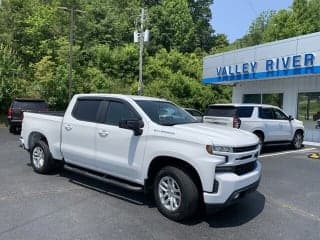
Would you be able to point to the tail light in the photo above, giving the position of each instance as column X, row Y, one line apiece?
column 10, row 113
column 236, row 122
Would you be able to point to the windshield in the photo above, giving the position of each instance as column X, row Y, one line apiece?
column 165, row 113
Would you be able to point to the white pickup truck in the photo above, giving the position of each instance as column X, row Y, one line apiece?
column 146, row 144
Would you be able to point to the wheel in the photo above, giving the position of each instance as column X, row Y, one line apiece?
column 41, row 159
column 176, row 194
column 297, row 140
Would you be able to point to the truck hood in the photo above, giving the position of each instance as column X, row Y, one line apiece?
column 216, row 134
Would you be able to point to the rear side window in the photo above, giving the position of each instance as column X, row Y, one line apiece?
column 221, row 111
column 30, row 105
column 118, row 111
column 245, row 112
column 266, row 113
column 86, row 109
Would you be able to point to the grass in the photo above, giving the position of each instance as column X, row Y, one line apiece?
column 3, row 120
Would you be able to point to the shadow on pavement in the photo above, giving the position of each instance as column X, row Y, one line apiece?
column 108, row 189
column 237, row 214
column 276, row 148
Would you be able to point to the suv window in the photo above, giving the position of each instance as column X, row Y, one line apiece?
column 245, row 112
column 278, row 115
column 30, row 105
column 221, row 111
column 118, row 111
column 86, row 109
column 229, row 111
column 265, row 113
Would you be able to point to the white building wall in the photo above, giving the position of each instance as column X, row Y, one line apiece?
column 290, row 87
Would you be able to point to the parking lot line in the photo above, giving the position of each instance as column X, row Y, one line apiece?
column 286, row 152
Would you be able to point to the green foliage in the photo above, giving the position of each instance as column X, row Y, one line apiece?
column 11, row 77
column 35, row 50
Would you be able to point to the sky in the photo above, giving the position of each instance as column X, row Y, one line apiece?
column 233, row 17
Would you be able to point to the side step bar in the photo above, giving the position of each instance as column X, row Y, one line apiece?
column 105, row 178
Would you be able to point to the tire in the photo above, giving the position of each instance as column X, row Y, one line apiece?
column 41, row 159
column 297, row 140
column 261, row 138
column 183, row 186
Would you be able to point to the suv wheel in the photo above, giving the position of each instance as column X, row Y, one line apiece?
column 297, row 140
column 41, row 159
column 176, row 194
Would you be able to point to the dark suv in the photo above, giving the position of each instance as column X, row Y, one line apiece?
column 20, row 105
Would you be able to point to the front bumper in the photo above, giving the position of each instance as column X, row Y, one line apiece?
column 233, row 186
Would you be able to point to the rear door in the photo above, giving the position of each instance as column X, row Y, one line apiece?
column 271, row 127
column 78, row 132
column 222, row 115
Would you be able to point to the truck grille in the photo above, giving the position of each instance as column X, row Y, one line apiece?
column 245, row 149
column 238, row 169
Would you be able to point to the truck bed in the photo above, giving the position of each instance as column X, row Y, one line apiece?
column 47, row 123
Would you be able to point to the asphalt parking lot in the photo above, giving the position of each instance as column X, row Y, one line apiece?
column 68, row 206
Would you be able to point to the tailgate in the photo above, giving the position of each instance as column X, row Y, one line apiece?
column 16, row 114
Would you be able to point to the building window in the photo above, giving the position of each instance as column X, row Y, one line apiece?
column 252, row 98
column 275, row 99
column 309, row 106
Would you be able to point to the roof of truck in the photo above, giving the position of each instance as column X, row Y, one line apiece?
column 122, row 96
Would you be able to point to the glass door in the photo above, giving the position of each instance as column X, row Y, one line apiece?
column 309, row 113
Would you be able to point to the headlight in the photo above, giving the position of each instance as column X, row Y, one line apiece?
column 212, row 149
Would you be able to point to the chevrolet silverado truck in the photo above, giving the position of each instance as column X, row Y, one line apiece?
column 146, row 144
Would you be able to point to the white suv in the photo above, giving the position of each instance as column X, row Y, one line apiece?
column 268, row 122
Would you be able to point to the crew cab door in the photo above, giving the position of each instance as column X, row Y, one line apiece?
column 78, row 132
column 118, row 151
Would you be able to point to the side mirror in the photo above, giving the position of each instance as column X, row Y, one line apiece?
column 135, row 125
column 291, row 118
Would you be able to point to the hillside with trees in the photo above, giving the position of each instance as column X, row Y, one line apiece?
column 34, row 50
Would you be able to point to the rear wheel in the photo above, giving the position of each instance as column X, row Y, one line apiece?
column 176, row 194
column 297, row 140
column 261, row 137
column 41, row 159
column 11, row 129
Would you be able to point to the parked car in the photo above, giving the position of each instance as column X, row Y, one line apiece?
column 146, row 144
column 20, row 105
column 195, row 113
column 269, row 123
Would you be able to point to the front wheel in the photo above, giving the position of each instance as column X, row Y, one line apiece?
column 176, row 194
column 41, row 159
column 297, row 140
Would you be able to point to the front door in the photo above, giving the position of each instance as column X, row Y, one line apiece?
column 118, row 151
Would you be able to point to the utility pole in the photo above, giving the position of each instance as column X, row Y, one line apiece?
column 141, row 36
column 140, row 86
column 72, row 12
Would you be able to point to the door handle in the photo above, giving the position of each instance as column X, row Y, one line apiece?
column 68, row 127
column 103, row 133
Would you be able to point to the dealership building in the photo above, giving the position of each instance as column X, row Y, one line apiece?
column 284, row 73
